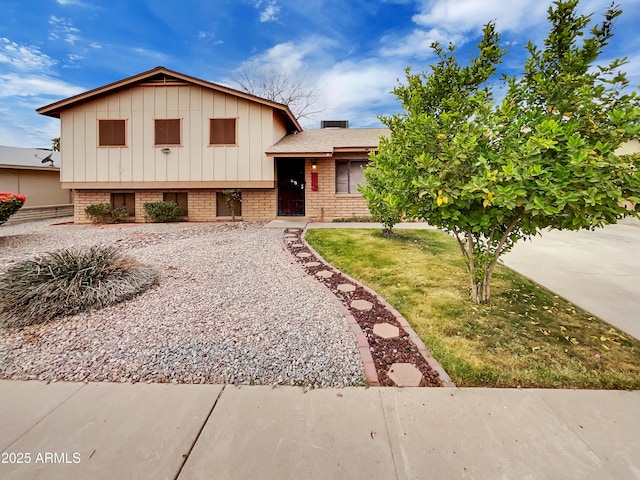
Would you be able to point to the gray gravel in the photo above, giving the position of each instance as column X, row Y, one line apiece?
column 230, row 308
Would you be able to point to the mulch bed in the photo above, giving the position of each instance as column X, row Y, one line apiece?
column 385, row 352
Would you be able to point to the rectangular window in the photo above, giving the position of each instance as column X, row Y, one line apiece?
column 180, row 198
column 222, row 131
column 127, row 200
column 222, row 206
column 167, row 132
column 349, row 174
column 111, row 133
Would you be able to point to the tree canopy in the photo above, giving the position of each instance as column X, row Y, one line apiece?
column 494, row 172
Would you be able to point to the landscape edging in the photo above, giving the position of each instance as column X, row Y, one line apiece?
column 413, row 336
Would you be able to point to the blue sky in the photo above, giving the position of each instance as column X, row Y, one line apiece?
column 352, row 51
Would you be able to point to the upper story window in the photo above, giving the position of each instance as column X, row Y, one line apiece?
column 167, row 131
column 222, row 131
column 111, row 133
column 350, row 174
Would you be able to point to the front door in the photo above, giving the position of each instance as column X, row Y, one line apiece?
column 291, row 186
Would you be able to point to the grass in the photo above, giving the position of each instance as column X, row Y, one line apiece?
column 526, row 337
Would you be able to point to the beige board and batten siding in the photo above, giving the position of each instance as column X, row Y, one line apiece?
column 141, row 164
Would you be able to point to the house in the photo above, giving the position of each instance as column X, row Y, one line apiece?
column 35, row 173
column 163, row 135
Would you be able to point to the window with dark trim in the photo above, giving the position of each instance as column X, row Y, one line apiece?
column 222, row 207
column 222, row 131
column 127, row 200
column 167, row 131
column 181, row 198
column 349, row 174
column 111, row 133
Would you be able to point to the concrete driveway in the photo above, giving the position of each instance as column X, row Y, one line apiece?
column 597, row 270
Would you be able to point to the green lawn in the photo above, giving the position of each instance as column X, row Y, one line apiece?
column 526, row 337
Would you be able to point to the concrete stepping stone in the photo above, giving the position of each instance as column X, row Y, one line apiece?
column 405, row 375
column 312, row 264
column 386, row 330
column 294, row 229
column 303, row 254
column 362, row 305
column 324, row 273
column 297, row 245
column 346, row 287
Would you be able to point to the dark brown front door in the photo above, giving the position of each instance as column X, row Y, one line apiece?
column 291, row 186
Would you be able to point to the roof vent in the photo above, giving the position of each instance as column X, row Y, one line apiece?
column 334, row 124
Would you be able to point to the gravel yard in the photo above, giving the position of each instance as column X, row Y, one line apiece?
column 229, row 308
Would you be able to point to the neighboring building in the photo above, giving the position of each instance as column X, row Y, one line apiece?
column 34, row 173
column 165, row 135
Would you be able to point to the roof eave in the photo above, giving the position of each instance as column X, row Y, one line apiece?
column 54, row 109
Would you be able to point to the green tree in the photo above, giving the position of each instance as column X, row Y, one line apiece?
column 55, row 144
column 492, row 174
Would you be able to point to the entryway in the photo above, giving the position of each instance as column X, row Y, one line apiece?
column 291, row 187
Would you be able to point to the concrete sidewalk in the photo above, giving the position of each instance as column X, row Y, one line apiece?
column 164, row 431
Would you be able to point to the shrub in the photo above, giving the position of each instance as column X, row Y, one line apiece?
column 354, row 220
column 233, row 199
column 163, row 212
column 105, row 213
column 10, row 203
column 69, row 281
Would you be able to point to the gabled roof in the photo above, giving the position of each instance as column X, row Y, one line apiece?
column 326, row 141
column 160, row 75
column 29, row 158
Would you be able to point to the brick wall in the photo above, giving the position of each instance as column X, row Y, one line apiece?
column 83, row 198
column 28, row 214
column 259, row 205
column 325, row 204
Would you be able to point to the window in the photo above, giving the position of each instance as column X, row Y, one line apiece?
column 168, row 132
column 180, row 198
column 127, row 200
column 222, row 207
column 222, row 131
column 111, row 133
column 349, row 174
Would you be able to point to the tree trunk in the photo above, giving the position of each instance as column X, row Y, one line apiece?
column 480, row 290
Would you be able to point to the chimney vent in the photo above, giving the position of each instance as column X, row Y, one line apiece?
column 334, row 124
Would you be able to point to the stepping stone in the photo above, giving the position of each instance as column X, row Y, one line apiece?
column 312, row 264
column 288, row 235
column 325, row 273
column 303, row 254
column 362, row 305
column 347, row 287
column 405, row 375
column 386, row 330
column 294, row 229
column 297, row 245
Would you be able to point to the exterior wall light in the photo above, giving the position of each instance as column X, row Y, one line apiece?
column 314, row 165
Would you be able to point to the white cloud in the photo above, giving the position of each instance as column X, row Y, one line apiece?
column 468, row 15
column 12, row 84
column 27, row 58
column 418, row 43
column 291, row 57
column 359, row 90
column 63, row 28
column 270, row 12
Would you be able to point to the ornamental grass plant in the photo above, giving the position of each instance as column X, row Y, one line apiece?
column 69, row 281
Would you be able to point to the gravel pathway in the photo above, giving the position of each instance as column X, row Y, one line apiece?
column 230, row 308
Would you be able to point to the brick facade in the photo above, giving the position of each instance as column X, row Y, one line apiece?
column 325, row 204
column 257, row 205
